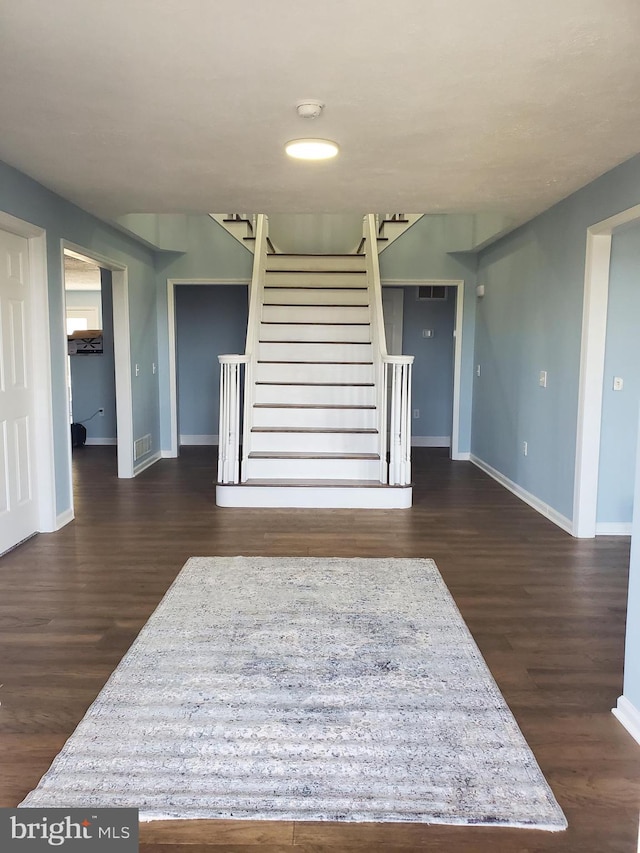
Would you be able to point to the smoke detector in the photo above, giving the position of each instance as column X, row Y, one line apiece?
column 309, row 108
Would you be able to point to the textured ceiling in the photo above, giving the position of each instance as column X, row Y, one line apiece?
column 438, row 105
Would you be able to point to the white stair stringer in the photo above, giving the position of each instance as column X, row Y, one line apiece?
column 311, row 435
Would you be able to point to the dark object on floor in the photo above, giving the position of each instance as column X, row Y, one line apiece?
column 78, row 435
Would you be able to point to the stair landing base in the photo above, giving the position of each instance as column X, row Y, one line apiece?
column 314, row 496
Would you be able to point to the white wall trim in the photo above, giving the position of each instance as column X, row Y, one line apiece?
column 172, row 283
column 40, row 343
column 191, row 440
column 593, row 347
column 629, row 716
column 534, row 502
column 99, row 442
column 613, row 528
column 64, row 518
column 147, row 463
column 463, row 457
column 121, row 353
column 431, row 441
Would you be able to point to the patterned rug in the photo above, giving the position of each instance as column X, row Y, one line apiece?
column 304, row 689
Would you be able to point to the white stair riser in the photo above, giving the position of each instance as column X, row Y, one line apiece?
column 316, row 279
column 282, row 351
column 315, row 296
column 269, row 372
column 334, row 418
column 313, row 314
column 314, row 332
column 316, row 394
column 313, row 469
column 314, row 442
column 329, row 263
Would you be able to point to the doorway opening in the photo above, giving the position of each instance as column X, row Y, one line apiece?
column 90, row 353
column 424, row 319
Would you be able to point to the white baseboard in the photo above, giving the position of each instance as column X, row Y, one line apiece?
column 64, row 518
column 629, row 716
column 168, row 454
column 430, row 441
column 465, row 456
column 534, row 502
column 198, row 439
column 613, row 528
column 101, row 441
column 146, row 463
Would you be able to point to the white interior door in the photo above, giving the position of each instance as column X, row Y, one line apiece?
column 18, row 508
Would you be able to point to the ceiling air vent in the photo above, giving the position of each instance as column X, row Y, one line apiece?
column 432, row 291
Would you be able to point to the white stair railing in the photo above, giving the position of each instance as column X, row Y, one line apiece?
column 229, row 430
column 400, row 418
column 393, row 372
column 231, row 385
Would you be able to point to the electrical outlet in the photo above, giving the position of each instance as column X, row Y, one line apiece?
column 525, row 448
column 154, row 367
column 101, row 412
column 416, row 413
column 618, row 383
column 427, row 333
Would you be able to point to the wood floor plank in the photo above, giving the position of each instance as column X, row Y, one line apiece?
column 547, row 611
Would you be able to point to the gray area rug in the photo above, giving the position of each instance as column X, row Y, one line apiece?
column 304, row 689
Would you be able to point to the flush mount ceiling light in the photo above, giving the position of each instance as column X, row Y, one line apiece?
column 311, row 149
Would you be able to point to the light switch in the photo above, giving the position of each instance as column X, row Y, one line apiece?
column 543, row 379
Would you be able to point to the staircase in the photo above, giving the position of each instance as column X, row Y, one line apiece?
column 317, row 419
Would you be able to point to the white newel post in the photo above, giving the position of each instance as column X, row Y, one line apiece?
column 400, row 420
column 229, row 430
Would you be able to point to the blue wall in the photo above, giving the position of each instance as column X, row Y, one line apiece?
column 22, row 197
column 210, row 320
column 212, row 253
column 530, row 320
column 421, row 254
column 620, row 408
column 92, row 376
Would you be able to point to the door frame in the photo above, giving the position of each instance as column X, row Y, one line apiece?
column 39, row 342
column 172, row 283
column 592, row 356
column 458, row 284
column 121, row 354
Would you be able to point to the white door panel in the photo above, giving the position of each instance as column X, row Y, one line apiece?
column 18, row 510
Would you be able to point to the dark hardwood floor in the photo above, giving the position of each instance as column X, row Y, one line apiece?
column 547, row 611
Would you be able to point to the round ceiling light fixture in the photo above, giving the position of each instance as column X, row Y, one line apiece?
column 311, row 149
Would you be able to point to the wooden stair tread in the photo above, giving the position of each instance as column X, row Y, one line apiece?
column 312, row 305
column 318, row 384
column 328, row 484
column 311, row 323
column 276, row 454
column 316, row 255
column 324, row 430
column 308, row 406
column 324, row 343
